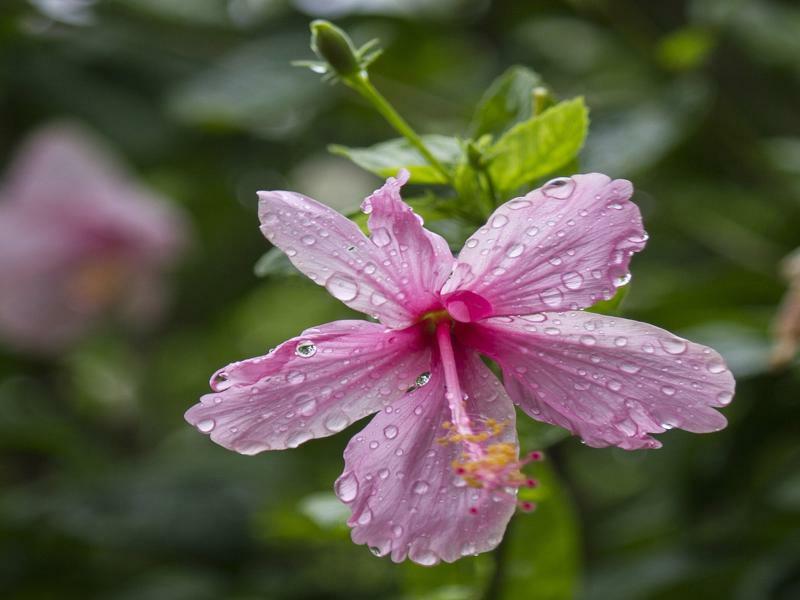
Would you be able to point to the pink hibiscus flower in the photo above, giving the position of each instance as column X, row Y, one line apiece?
column 434, row 474
column 78, row 240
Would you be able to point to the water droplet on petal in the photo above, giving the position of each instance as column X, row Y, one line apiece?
column 220, row 382
column 383, row 473
column 397, row 531
column 365, row 517
column 308, row 240
column 552, row 330
column 630, row 368
column 305, row 349
column 622, row 280
column 390, row 431
column 423, row 379
column 420, row 487
column 724, row 398
column 381, row 237
column 336, row 421
column 614, row 385
column 424, row 557
column 518, row 204
column 552, row 297
column 620, row 342
column 342, row 287
column 296, row 377
column 206, row 425
column 716, row 367
column 378, row 299
column 572, row 280
column 588, row 340
column 515, row 250
column 498, row 221
column 674, row 345
column 532, row 231
column 346, row 487
column 560, row 188
column 471, row 243
column 668, row 390
column 297, row 438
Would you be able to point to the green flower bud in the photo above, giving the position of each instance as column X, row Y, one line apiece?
column 333, row 46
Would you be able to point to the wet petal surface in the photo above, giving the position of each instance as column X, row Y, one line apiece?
column 399, row 478
column 563, row 246
column 611, row 381
column 311, row 386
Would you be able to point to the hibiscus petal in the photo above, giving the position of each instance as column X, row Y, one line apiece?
column 311, row 386
column 563, row 246
column 611, row 381
column 394, row 275
column 399, row 481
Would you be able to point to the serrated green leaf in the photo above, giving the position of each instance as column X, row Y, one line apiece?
column 274, row 262
column 386, row 158
column 539, row 146
column 507, row 101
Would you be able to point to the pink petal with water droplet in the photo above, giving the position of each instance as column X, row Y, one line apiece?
column 559, row 247
column 297, row 393
column 395, row 274
column 611, row 381
column 405, row 498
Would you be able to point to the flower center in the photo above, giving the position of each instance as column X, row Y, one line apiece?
column 486, row 460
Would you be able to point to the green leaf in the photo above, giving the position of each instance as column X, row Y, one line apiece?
column 386, row 158
column 613, row 305
column 274, row 262
column 508, row 100
column 539, row 146
column 541, row 550
column 535, row 435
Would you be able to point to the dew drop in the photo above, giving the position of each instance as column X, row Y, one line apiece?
column 425, row 558
column 305, row 349
column 383, row 473
column 630, row 368
column 498, row 221
column 370, row 268
column 552, row 297
column 572, row 280
column 390, row 431
column 560, row 188
column 397, row 531
column 346, row 487
column 552, row 331
column 296, row 377
column 220, row 382
column 715, row 367
column 674, row 345
column 365, row 517
column 420, row 487
column 588, row 340
column 532, row 231
column 308, row 240
column 620, row 342
column 471, row 243
column 518, row 204
column 206, row 425
column 381, row 237
column 297, row 438
column 724, row 398
column 342, row 287
column 423, row 379
column 668, row 390
column 336, row 421
column 378, row 299
column 515, row 250
column 614, row 385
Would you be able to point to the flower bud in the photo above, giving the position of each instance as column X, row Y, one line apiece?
column 333, row 46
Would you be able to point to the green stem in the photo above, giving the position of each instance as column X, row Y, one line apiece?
column 490, row 186
column 364, row 87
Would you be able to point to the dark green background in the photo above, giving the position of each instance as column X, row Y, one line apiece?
column 105, row 492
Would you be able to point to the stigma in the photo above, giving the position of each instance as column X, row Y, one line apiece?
column 486, row 462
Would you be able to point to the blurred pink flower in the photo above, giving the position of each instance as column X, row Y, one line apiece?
column 79, row 241
column 434, row 476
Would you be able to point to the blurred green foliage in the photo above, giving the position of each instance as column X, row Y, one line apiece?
column 107, row 493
